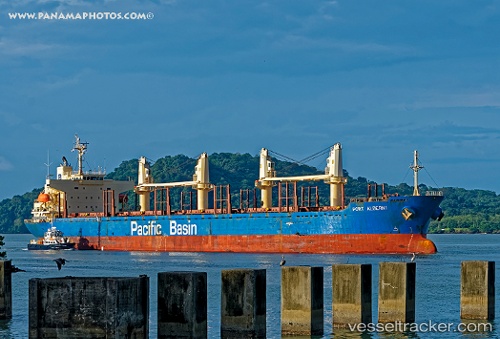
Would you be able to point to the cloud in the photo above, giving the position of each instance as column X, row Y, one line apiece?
column 58, row 82
column 23, row 48
column 446, row 132
column 5, row 165
column 465, row 98
column 9, row 119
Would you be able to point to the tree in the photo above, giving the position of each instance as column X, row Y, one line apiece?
column 465, row 210
column 3, row 254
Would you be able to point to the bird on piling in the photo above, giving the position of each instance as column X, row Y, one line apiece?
column 283, row 261
column 60, row 262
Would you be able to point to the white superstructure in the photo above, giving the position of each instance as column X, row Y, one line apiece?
column 77, row 191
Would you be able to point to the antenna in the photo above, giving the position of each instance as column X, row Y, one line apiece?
column 81, row 147
column 48, row 164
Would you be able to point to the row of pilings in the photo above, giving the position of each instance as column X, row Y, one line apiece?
column 103, row 307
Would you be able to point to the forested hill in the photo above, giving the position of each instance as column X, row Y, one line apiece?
column 466, row 211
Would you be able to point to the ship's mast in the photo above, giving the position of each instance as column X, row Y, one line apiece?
column 335, row 179
column 81, row 148
column 266, row 170
column 144, row 177
column 415, row 167
column 201, row 177
column 48, row 165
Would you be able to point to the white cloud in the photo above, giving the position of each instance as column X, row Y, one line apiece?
column 12, row 48
column 5, row 165
column 9, row 119
column 55, row 83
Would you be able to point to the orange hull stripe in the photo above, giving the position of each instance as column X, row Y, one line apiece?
column 315, row 244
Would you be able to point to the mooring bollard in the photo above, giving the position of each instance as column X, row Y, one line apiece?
column 396, row 292
column 74, row 307
column 352, row 294
column 302, row 300
column 182, row 305
column 243, row 303
column 5, row 289
column 477, row 290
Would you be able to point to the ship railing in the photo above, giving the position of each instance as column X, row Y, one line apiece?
column 309, row 209
column 38, row 219
column 89, row 175
column 99, row 172
column 434, row 193
column 274, row 209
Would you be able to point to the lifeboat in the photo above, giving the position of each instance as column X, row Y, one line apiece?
column 43, row 197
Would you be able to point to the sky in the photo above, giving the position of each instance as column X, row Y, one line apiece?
column 383, row 78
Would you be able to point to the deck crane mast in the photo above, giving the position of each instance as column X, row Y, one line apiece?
column 333, row 176
column 200, row 183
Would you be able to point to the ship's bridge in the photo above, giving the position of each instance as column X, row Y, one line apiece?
column 67, row 173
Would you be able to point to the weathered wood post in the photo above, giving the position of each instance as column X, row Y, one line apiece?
column 5, row 289
column 396, row 292
column 352, row 294
column 74, row 307
column 302, row 300
column 182, row 305
column 477, row 290
column 243, row 303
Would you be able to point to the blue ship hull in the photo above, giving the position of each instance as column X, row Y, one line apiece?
column 341, row 231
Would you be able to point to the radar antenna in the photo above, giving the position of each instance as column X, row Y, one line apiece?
column 81, row 147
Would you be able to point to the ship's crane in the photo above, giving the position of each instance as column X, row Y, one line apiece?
column 333, row 176
column 200, row 183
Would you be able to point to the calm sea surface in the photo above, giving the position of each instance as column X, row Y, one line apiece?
column 437, row 291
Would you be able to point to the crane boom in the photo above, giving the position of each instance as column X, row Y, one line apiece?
column 168, row 184
column 299, row 178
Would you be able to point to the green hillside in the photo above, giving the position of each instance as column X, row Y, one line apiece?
column 466, row 211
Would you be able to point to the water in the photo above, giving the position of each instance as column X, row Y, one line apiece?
column 437, row 289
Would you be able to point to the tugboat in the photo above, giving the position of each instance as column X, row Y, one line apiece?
column 53, row 239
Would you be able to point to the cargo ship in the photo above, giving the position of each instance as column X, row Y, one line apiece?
column 91, row 211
